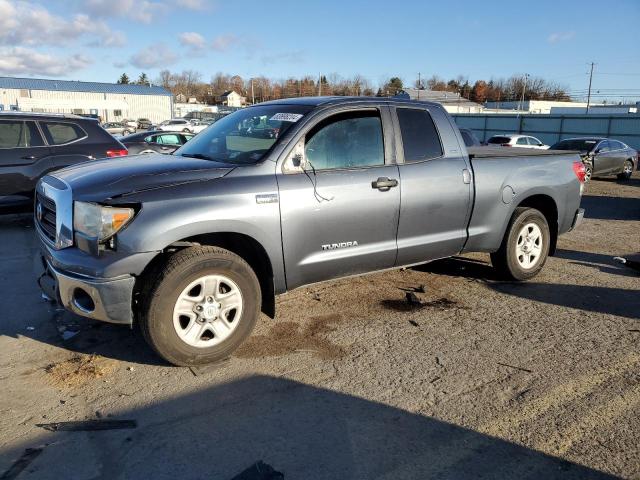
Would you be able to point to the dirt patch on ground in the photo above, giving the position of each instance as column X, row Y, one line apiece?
column 290, row 337
column 407, row 306
column 78, row 370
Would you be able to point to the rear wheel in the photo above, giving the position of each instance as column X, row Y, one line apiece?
column 203, row 305
column 525, row 246
column 627, row 170
column 588, row 172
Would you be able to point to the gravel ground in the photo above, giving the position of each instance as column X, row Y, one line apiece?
column 483, row 379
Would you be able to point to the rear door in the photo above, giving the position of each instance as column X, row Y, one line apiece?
column 435, row 187
column 24, row 157
column 340, row 212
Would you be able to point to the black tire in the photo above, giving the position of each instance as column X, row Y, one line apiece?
column 186, row 130
column 505, row 260
column 626, row 175
column 183, row 267
column 588, row 172
column 126, row 132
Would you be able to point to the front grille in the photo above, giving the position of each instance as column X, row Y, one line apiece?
column 46, row 216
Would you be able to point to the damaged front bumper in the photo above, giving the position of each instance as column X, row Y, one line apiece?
column 106, row 299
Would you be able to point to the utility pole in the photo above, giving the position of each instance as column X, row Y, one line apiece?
column 589, row 94
column 419, row 85
column 320, row 84
column 524, row 88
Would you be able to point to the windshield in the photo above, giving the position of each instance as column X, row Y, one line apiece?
column 578, row 144
column 246, row 136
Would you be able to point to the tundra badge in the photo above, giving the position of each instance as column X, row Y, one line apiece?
column 335, row 246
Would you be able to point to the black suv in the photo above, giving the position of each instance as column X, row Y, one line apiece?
column 33, row 144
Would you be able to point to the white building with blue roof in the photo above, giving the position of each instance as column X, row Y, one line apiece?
column 110, row 101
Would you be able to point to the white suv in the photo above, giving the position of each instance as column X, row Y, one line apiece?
column 176, row 125
column 520, row 141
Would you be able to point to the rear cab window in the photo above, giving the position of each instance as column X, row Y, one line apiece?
column 61, row 133
column 420, row 139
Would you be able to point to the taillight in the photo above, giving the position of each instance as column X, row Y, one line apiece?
column 580, row 171
column 117, row 153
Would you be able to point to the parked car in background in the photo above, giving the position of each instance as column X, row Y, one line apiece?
column 155, row 142
column 176, row 125
column 470, row 139
column 32, row 145
column 520, row 141
column 131, row 124
column 144, row 123
column 117, row 128
column 602, row 156
column 200, row 125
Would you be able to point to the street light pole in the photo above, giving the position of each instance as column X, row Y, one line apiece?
column 589, row 94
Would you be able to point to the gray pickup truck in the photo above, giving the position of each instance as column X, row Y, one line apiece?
column 193, row 246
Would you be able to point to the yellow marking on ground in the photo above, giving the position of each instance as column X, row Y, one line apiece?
column 559, row 396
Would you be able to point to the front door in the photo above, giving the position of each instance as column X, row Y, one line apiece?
column 339, row 208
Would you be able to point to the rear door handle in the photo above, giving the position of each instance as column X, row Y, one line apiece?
column 29, row 157
column 383, row 183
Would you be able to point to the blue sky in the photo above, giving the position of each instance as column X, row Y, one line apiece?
column 99, row 39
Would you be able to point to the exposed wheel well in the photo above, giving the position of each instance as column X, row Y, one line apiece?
column 547, row 206
column 242, row 245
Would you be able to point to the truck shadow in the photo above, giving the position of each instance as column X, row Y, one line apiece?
column 302, row 431
column 611, row 208
column 606, row 300
column 598, row 261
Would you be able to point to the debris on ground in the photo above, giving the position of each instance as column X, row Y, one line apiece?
column 88, row 425
column 29, row 455
column 413, row 299
column 259, row 471
column 513, row 366
column 414, row 323
column 78, row 370
column 632, row 264
column 69, row 334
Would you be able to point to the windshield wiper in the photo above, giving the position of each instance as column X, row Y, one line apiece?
column 201, row 156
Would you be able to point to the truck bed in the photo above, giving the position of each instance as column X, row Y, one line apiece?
column 493, row 152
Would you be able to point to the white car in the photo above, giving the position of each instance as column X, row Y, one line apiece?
column 176, row 125
column 200, row 125
column 130, row 124
column 520, row 141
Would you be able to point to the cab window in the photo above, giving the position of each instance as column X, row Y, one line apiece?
column 351, row 140
column 420, row 139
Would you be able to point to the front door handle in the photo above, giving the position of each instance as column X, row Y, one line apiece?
column 383, row 183
column 29, row 157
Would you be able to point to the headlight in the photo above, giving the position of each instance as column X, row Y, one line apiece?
column 97, row 221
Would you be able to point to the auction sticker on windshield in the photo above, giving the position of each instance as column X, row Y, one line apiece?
column 286, row 117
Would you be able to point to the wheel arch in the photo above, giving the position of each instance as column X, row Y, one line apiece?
column 546, row 205
column 243, row 245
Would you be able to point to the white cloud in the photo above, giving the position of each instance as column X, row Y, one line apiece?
column 198, row 5
column 223, row 42
column 144, row 11
column 155, row 56
column 26, row 23
column 26, row 61
column 192, row 40
column 560, row 37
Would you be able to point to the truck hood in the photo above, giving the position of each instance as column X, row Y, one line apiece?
column 111, row 178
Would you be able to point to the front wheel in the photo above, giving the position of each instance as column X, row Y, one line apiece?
column 525, row 246
column 627, row 170
column 203, row 305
